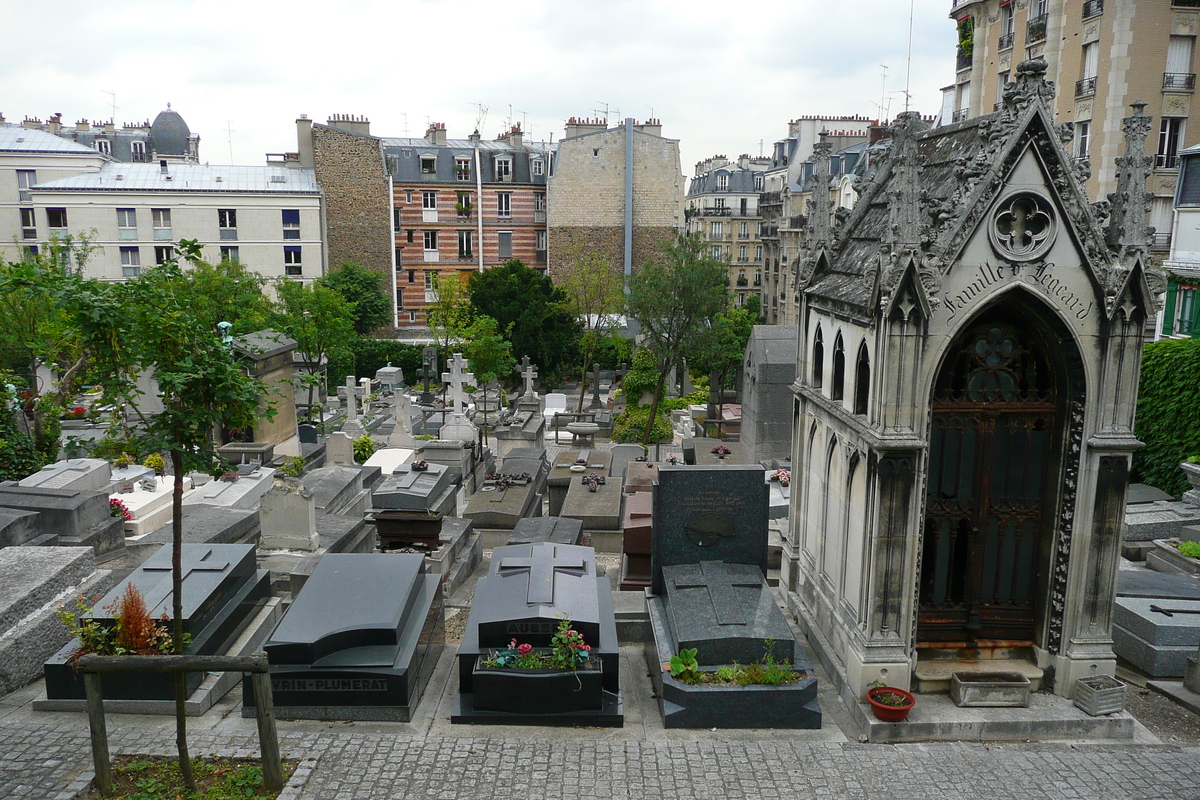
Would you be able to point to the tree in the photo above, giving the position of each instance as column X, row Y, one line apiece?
column 364, row 289
column 150, row 322
column 489, row 353
column 594, row 293
column 321, row 322
column 226, row 292
column 754, row 306
column 529, row 310
column 674, row 300
column 450, row 312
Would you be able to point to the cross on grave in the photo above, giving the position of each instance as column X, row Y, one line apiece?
column 541, row 568
column 528, row 373
column 721, row 583
column 193, row 560
column 596, row 387
column 426, row 372
column 351, row 406
column 458, row 378
column 364, row 392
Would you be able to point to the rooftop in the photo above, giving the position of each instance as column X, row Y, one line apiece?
column 19, row 139
column 189, row 177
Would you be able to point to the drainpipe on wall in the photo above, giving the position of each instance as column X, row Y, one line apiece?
column 478, row 207
column 392, row 225
column 628, row 198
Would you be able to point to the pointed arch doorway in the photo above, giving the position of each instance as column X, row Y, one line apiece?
column 993, row 488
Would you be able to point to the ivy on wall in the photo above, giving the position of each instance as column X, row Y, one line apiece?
column 1168, row 413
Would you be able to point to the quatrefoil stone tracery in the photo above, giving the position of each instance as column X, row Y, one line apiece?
column 1023, row 227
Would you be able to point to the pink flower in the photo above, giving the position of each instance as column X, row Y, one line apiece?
column 524, row 649
column 513, row 643
column 587, row 648
column 572, row 633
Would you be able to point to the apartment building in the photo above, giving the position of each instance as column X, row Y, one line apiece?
column 722, row 209
column 167, row 138
column 1103, row 55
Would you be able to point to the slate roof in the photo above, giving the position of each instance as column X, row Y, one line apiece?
column 190, row 178
column 18, row 139
column 741, row 181
column 404, row 158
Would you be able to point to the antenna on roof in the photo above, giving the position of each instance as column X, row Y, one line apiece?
column 229, row 138
column 481, row 112
column 113, row 95
column 883, row 89
column 405, row 124
column 597, row 111
column 908, row 68
column 651, row 111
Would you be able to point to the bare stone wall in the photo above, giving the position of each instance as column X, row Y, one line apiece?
column 351, row 172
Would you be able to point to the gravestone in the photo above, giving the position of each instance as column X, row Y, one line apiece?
column 88, row 474
column 555, row 402
column 410, row 504
column 457, row 380
column 72, row 517
column 768, row 369
column 514, row 492
column 339, row 448
column 596, row 403
column 360, row 641
column 529, row 589
column 571, row 464
column 388, row 459
column 427, row 373
column 637, row 530
column 701, row 450
column 245, row 492
column 149, row 504
column 149, row 396
column 1156, row 635
column 595, row 501
column 640, row 477
column 468, row 465
column 222, row 589
column 622, row 455
column 390, row 378
column 528, row 371
column 288, row 517
column 555, row 530
column 307, row 433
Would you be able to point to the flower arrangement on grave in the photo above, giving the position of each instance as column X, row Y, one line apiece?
column 889, row 703
column 567, row 650
column 135, row 631
column 118, row 509
column 78, row 412
column 503, row 480
column 764, row 672
column 293, row 466
column 671, row 459
column 1189, row 549
column 420, row 466
column 155, row 462
column 123, row 460
column 783, row 476
column 592, row 481
column 720, row 451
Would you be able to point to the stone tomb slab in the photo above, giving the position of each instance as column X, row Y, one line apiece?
column 555, row 530
column 709, row 514
column 246, row 492
column 571, row 464
column 407, row 489
column 640, row 477
column 388, row 459
column 222, row 589
column 1158, row 643
column 208, row 524
column 1164, row 585
column 623, row 455
column 529, row 589
column 360, row 641
column 72, row 516
column 19, row 527
column 598, row 510
column 89, row 474
column 150, row 508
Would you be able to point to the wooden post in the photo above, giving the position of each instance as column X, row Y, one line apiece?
column 264, row 712
column 95, row 710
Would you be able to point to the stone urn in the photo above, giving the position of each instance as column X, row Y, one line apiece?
column 1192, row 471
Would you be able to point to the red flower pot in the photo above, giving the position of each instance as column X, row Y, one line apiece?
column 886, row 712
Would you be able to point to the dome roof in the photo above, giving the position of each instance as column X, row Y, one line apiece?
column 169, row 134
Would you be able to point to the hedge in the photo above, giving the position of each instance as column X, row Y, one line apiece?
column 368, row 355
column 1168, row 413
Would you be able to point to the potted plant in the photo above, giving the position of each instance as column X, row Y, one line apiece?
column 527, row 680
column 889, row 703
column 1099, row 694
column 155, row 462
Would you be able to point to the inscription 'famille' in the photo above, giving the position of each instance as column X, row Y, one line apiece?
column 1040, row 274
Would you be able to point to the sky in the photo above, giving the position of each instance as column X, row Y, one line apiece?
column 724, row 78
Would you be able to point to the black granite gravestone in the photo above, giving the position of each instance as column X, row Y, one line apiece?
column 307, row 433
column 222, row 588
column 360, row 641
column 528, row 591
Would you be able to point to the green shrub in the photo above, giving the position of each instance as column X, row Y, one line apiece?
column 1168, row 413
column 1190, row 549
column 366, row 356
column 628, row 427
column 293, row 466
column 642, row 376
column 364, row 448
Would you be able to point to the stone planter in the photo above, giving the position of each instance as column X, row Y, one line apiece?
column 538, row 691
column 1165, row 557
column 1099, row 695
column 990, row 689
column 1192, row 471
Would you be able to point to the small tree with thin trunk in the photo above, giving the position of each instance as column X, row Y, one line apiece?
column 322, row 323
column 594, row 292
column 674, row 301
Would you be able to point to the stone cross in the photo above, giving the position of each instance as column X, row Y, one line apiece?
column 193, row 561
column 541, row 568
column 721, row 584
column 687, row 387
column 365, row 392
column 426, row 372
column 528, row 373
column 351, row 405
column 458, row 378
column 596, row 387
column 672, row 383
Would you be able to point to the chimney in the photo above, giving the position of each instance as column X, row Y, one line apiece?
column 436, row 133
column 304, row 142
column 651, row 126
column 514, row 136
column 474, row 137
column 110, row 127
column 82, row 125
column 55, row 122
column 350, row 122
column 744, row 161
column 577, row 126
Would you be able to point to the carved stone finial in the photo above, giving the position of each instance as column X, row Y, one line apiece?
column 1127, row 233
column 1029, row 84
column 821, row 206
column 904, row 190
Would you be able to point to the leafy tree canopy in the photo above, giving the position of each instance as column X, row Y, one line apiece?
column 322, row 323
column 225, row 292
column 364, row 289
column 489, row 353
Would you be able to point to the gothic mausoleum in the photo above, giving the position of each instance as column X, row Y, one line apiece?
column 970, row 337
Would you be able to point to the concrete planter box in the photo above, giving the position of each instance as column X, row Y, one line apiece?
column 990, row 689
column 1099, row 695
column 1193, row 474
column 1165, row 557
column 539, row 691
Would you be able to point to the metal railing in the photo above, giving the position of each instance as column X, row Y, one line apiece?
column 1006, row 41
column 1166, row 161
column 1085, row 87
column 1179, row 81
column 715, row 212
column 1092, row 8
column 1035, row 29
column 1162, row 241
column 962, row 61
column 960, row 115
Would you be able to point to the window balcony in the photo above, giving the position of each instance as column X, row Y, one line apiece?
column 1185, row 3
column 1085, row 87
column 539, row 217
column 716, row 212
column 960, row 115
column 429, row 215
column 1093, row 8
column 1179, row 81
column 1006, row 41
column 743, row 282
column 963, row 61
column 432, row 255
column 24, row 196
column 28, row 233
column 466, row 255
column 162, row 234
column 1166, row 161
column 1035, row 29
column 1161, row 241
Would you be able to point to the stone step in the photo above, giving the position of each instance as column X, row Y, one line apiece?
column 933, row 675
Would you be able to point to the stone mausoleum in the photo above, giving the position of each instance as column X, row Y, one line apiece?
column 969, row 344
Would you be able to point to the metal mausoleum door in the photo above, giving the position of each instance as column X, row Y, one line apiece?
column 993, row 439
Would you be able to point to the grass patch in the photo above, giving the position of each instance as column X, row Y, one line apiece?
column 157, row 778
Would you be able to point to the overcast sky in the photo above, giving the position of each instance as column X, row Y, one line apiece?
column 720, row 75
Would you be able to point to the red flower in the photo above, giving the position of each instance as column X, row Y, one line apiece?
column 524, row 649
column 587, row 648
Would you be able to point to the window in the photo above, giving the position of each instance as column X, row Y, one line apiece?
column 539, row 202
column 138, row 149
column 396, row 219
column 429, row 200
column 428, row 165
column 758, row 253
column 291, row 223
column 227, row 222
column 504, row 204
column 408, row 197
column 1179, row 73
column 131, row 262
column 818, row 360
column 1007, row 26
column 464, row 244
column 431, row 245
column 28, row 224
column 412, row 316
column 1169, row 136
column 163, row 254
column 743, row 205
column 462, row 169
column 539, row 245
column 26, row 178
column 722, row 182
column 716, row 229
column 537, row 166
column 719, row 204
column 430, row 280
column 1086, row 86
column 161, row 219
column 504, row 170
column 758, row 182
column 291, row 260
column 839, row 369
column 744, row 229
column 229, row 253
column 1083, row 135
column 409, row 236
column 504, row 244
column 462, row 204
column 56, row 217
column 862, row 381
column 126, row 223
column 399, row 255
column 742, row 253
column 412, row 275
column 714, row 252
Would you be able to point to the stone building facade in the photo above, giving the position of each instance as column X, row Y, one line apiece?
column 1104, row 56
column 967, row 373
column 614, row 193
